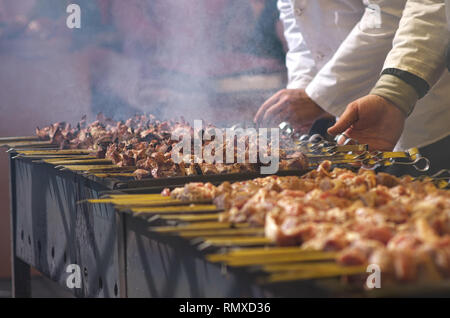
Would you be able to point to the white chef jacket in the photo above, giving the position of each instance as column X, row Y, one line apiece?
column 337, row 49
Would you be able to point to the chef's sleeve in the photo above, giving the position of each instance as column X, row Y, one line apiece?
column 299, row 61
column 417, row 58
column 355, row 67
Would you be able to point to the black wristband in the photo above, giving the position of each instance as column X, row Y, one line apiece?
column 419, row 84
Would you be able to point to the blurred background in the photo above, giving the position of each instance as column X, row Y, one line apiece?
column 191, row 58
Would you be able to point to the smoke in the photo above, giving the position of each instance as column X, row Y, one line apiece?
column 163, row 57
column 207, row 41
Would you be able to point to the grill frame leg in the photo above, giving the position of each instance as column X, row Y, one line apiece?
column 21, row 278
column 20, row 271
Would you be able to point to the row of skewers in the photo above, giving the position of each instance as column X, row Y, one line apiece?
column 95, row 160
column 141, row 147
column 327, row 223
column 145, row 145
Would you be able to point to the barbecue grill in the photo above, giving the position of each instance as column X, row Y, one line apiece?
column 157, row 248
column 116, row 253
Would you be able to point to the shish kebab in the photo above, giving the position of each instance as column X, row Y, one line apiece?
column 400, row 224
column 145, row 143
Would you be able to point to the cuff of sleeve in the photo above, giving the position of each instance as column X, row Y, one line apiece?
column 397, row 91
column 298, row 84
column 324, row 99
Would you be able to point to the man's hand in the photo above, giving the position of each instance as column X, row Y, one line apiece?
column 291, row 105
column 371, row 120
